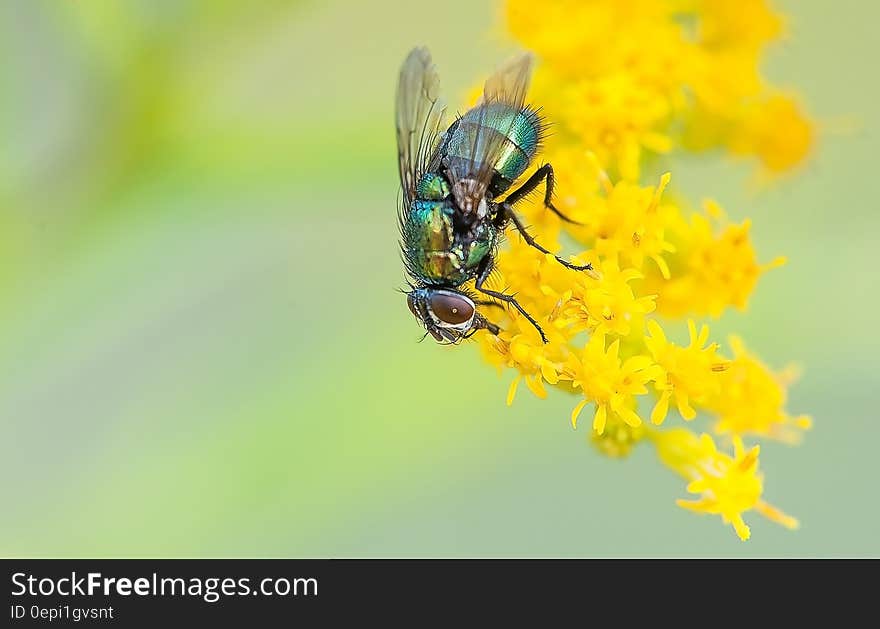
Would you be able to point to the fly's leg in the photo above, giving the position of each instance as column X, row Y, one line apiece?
column 487, row 302
column 484, row 270
column 509, row 213
column 545, row 172
column 494, row 329
column 481, row 323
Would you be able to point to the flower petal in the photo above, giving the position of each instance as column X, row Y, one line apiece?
column 511, row 391
column 661, row 408
column 536, row 386
column 629, row 416
column 599, row 418
column 575, row 413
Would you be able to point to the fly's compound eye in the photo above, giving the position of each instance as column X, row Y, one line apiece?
column 452, row 309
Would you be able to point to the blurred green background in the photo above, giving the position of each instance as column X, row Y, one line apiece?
column 202, row 352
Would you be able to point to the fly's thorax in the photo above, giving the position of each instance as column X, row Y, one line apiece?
column 432, row 187
column 480, row 243
column 429, row 239
column 431, row 224
column 437, row 250
column 470, row 197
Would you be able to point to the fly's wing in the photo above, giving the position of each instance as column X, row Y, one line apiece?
column 485, row 128
column 419, row 115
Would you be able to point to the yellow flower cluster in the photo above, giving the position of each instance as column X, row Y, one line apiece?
column 635, row 78
column 624, row 82
column 728, row 485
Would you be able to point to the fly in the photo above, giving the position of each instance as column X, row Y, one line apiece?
column 452, row 216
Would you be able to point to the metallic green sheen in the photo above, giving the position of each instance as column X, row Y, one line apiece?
column 521, row 129
column 432, row 187
column 432, row 223
column 477, row 252
column 434, row 253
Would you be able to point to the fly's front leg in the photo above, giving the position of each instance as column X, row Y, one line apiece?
column 509, row 213
column 487, row 302
column 545, row 172
column 484, row 270
column 482, row 323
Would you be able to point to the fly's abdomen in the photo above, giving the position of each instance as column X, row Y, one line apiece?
column 509, row 135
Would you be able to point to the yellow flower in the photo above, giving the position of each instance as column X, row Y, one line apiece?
column 728, row 485
column 608, row 381
column 618, row 438
column 690, row 373
column 617, row 117
column 680, row 72
column 675, row 75
column 711, row 270
column 629, row 222
column 519, row 346
column 574, row 37
column 578, row 176
column 606, row 306
column 777, row 131
column 746, row 24
column 751, row 399
column 539, row 278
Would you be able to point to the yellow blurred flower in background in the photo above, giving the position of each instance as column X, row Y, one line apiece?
column 751, row 399
column 641, row 77
column 625, row 83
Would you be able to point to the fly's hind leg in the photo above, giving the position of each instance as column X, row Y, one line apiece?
column 508, row 213
column 484, row 270
column 545, row 172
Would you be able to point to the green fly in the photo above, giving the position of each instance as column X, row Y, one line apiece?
column 451, row 216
